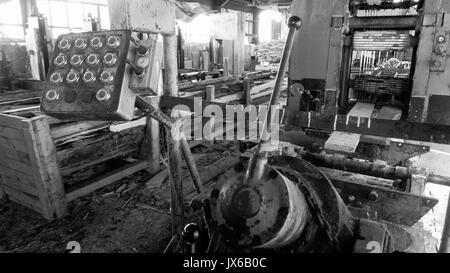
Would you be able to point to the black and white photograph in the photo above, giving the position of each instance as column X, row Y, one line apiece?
column 224, row 135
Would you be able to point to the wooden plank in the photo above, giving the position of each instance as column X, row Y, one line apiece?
column 16, row 166
column 389, row 112
column 72, row 128
column 13, row 133
column 13, row 121
column 21, row 102
column 21, row 201
column 158, row 179
column 14, row 96
column 119, row 127
column 21, row 109
column 89, row 162
column 45, row 166
column 97, row 150
column 361, row 109
column 208, row 82
column 342, row 142
column 15, row 183
column 2, row 190
column 13, row 144
column 22, row 178
column 105, row 181
column 21, row 197
column 16, row 155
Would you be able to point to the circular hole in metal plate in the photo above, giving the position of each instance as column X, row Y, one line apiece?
column 70, row 96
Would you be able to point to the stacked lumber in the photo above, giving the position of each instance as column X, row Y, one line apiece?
column 270, row 52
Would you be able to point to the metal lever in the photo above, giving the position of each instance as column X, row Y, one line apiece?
column 142, row 50
column 137, row 70
column 169, row 123
column 258, row 160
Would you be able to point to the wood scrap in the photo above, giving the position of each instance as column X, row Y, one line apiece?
column 158, row 179
column 144, row 206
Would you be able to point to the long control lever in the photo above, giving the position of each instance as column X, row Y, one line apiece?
column 259, row 159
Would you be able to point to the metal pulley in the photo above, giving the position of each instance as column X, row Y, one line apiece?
column 271, row 213
column 292, row 206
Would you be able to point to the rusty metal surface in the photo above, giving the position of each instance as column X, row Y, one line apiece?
column 75, row 87
column 439, row 110
column 268, row 214
column 393, row 153
column 339, row 221
column 373, row 237
column 426, row 132
column 390, row 205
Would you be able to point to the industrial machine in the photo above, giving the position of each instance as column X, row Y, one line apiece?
column 95, row 75
column 277, row 201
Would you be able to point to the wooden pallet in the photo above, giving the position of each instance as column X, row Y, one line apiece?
column 37, row 160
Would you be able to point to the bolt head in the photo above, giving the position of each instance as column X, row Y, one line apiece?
column 441, row 39
column 351, row 198
column 373, row 196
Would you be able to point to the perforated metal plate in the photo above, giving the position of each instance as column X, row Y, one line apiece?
column 88, row 77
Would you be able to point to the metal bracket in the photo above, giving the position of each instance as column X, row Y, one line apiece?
column 440, row 48
column 429, row 20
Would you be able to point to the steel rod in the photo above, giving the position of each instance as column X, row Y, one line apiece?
column 258, row 161
column 444, row 246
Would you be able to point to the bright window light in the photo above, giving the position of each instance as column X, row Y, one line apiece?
column 265, row 24
column 198, row 30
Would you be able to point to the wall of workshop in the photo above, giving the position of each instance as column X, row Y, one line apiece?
column 17, row 57
column 230, row 26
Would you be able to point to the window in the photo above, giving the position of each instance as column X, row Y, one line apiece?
column 11, row 25
column 63, row 16
column 66, row 16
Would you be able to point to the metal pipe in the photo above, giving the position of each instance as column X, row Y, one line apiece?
column 444, row 246
column 438, row 179
column 190, row 162
column 173, row 136
column 345, row 77
column 257, row 162
column 363, row 167
column 153, row 112
column 170, row 123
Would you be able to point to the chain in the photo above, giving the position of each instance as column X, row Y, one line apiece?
column 317, row 213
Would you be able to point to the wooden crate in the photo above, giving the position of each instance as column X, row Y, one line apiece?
column 39, row 159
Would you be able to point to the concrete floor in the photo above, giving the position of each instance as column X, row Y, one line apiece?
column 436, row 161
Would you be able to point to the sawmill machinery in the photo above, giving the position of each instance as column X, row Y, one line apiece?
column 276, row 201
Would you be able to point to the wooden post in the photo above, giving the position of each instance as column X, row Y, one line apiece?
column 45, row 166
column 226, row 67
column 210, row 93
column 173, row 138
column 211, row 96
column 150, row 148
column 247, row 89
column 2, row 191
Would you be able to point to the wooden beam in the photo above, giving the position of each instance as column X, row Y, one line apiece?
column 109, row 179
